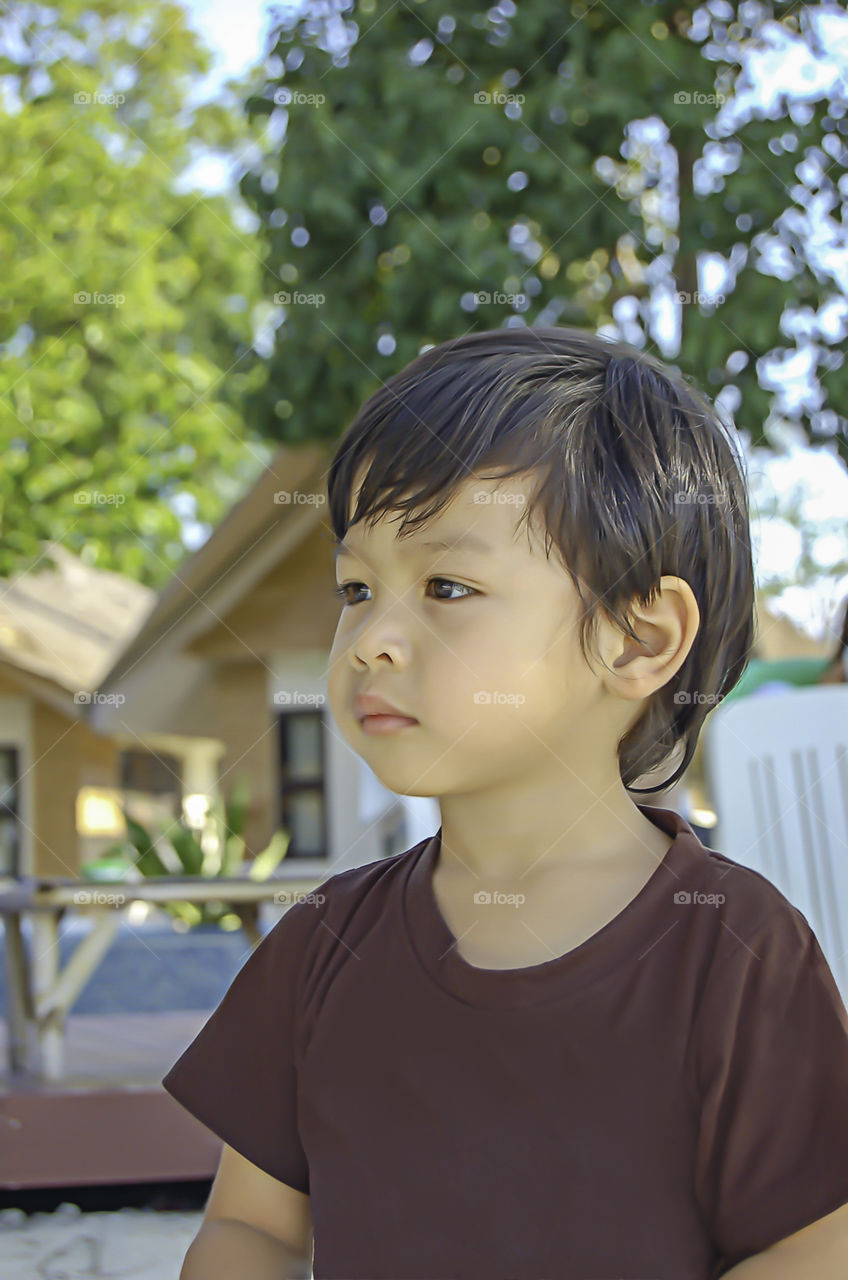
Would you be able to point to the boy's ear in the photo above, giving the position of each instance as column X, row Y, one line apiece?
column 667, row 628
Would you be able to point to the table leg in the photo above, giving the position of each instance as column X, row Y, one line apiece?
column 18, row 995
column 45, row 968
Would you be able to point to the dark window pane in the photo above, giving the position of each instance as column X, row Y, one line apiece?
column 10, row 830
column 150, row 772
column 302, row 787
column 304, row 747
column 306, row 823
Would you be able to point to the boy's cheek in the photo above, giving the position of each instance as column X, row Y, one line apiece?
column 339, row 689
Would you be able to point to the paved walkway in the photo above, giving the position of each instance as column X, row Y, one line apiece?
column 128, row 1244
column 148, row 968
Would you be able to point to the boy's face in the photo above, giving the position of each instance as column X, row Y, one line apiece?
column 490, row 668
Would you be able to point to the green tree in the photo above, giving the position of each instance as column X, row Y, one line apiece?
column 129, row 306
column 448, row 167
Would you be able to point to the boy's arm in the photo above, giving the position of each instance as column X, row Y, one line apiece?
column 224, row 1248
column 254, row 1227
column 821, row 1249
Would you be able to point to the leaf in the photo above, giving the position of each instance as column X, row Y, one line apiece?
column 265, row 862
column 236, row 807
column 233, row 856
column 187, row 847
column 148, row 861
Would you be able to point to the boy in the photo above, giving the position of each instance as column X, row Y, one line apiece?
column 560, row 1038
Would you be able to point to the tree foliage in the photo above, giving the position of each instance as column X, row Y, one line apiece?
column 126, row 313
column 414, row 171
column 452, row 167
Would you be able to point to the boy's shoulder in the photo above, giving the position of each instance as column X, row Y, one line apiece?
column 339, row 913
column 753, row 915
column 367, row 875
column 344, row 891
column 752, row 889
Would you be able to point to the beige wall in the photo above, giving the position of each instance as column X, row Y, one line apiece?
column 68, row 756
column 236, row 697
column 292, row 607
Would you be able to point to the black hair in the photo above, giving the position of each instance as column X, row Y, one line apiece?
column 637, row 477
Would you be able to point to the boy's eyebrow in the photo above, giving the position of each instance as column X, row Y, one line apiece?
column 461, row 541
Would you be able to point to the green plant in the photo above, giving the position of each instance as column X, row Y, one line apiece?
column 175, row 849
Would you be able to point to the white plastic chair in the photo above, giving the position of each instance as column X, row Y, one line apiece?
column 777, row 771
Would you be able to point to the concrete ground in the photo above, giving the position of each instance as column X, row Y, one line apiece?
column 127, row 1244
column 148, row 968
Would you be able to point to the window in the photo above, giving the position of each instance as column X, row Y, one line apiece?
column 151, row 783
column 151, row 773
column 302, row 783
column 10, row 826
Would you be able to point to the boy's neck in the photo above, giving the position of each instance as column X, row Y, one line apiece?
column 511, row 843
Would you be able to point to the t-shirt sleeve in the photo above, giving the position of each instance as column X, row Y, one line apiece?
column 238, row 1076
column 771, row 1057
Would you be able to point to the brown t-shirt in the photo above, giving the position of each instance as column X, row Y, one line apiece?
column 662, row 1101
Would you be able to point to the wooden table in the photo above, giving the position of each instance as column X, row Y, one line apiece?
column 39, row 994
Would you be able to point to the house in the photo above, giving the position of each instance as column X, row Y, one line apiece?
column 227, row 674
column 62, row 623
column 113, row 695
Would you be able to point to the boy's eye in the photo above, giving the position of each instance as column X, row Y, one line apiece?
column 343, row 588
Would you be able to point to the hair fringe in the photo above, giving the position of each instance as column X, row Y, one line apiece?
column 637, row 477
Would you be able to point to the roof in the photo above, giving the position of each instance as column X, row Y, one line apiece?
column 67, row 622
column 258, row 531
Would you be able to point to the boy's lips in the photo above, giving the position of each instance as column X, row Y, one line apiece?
column 371, row 704
column 384, row 724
